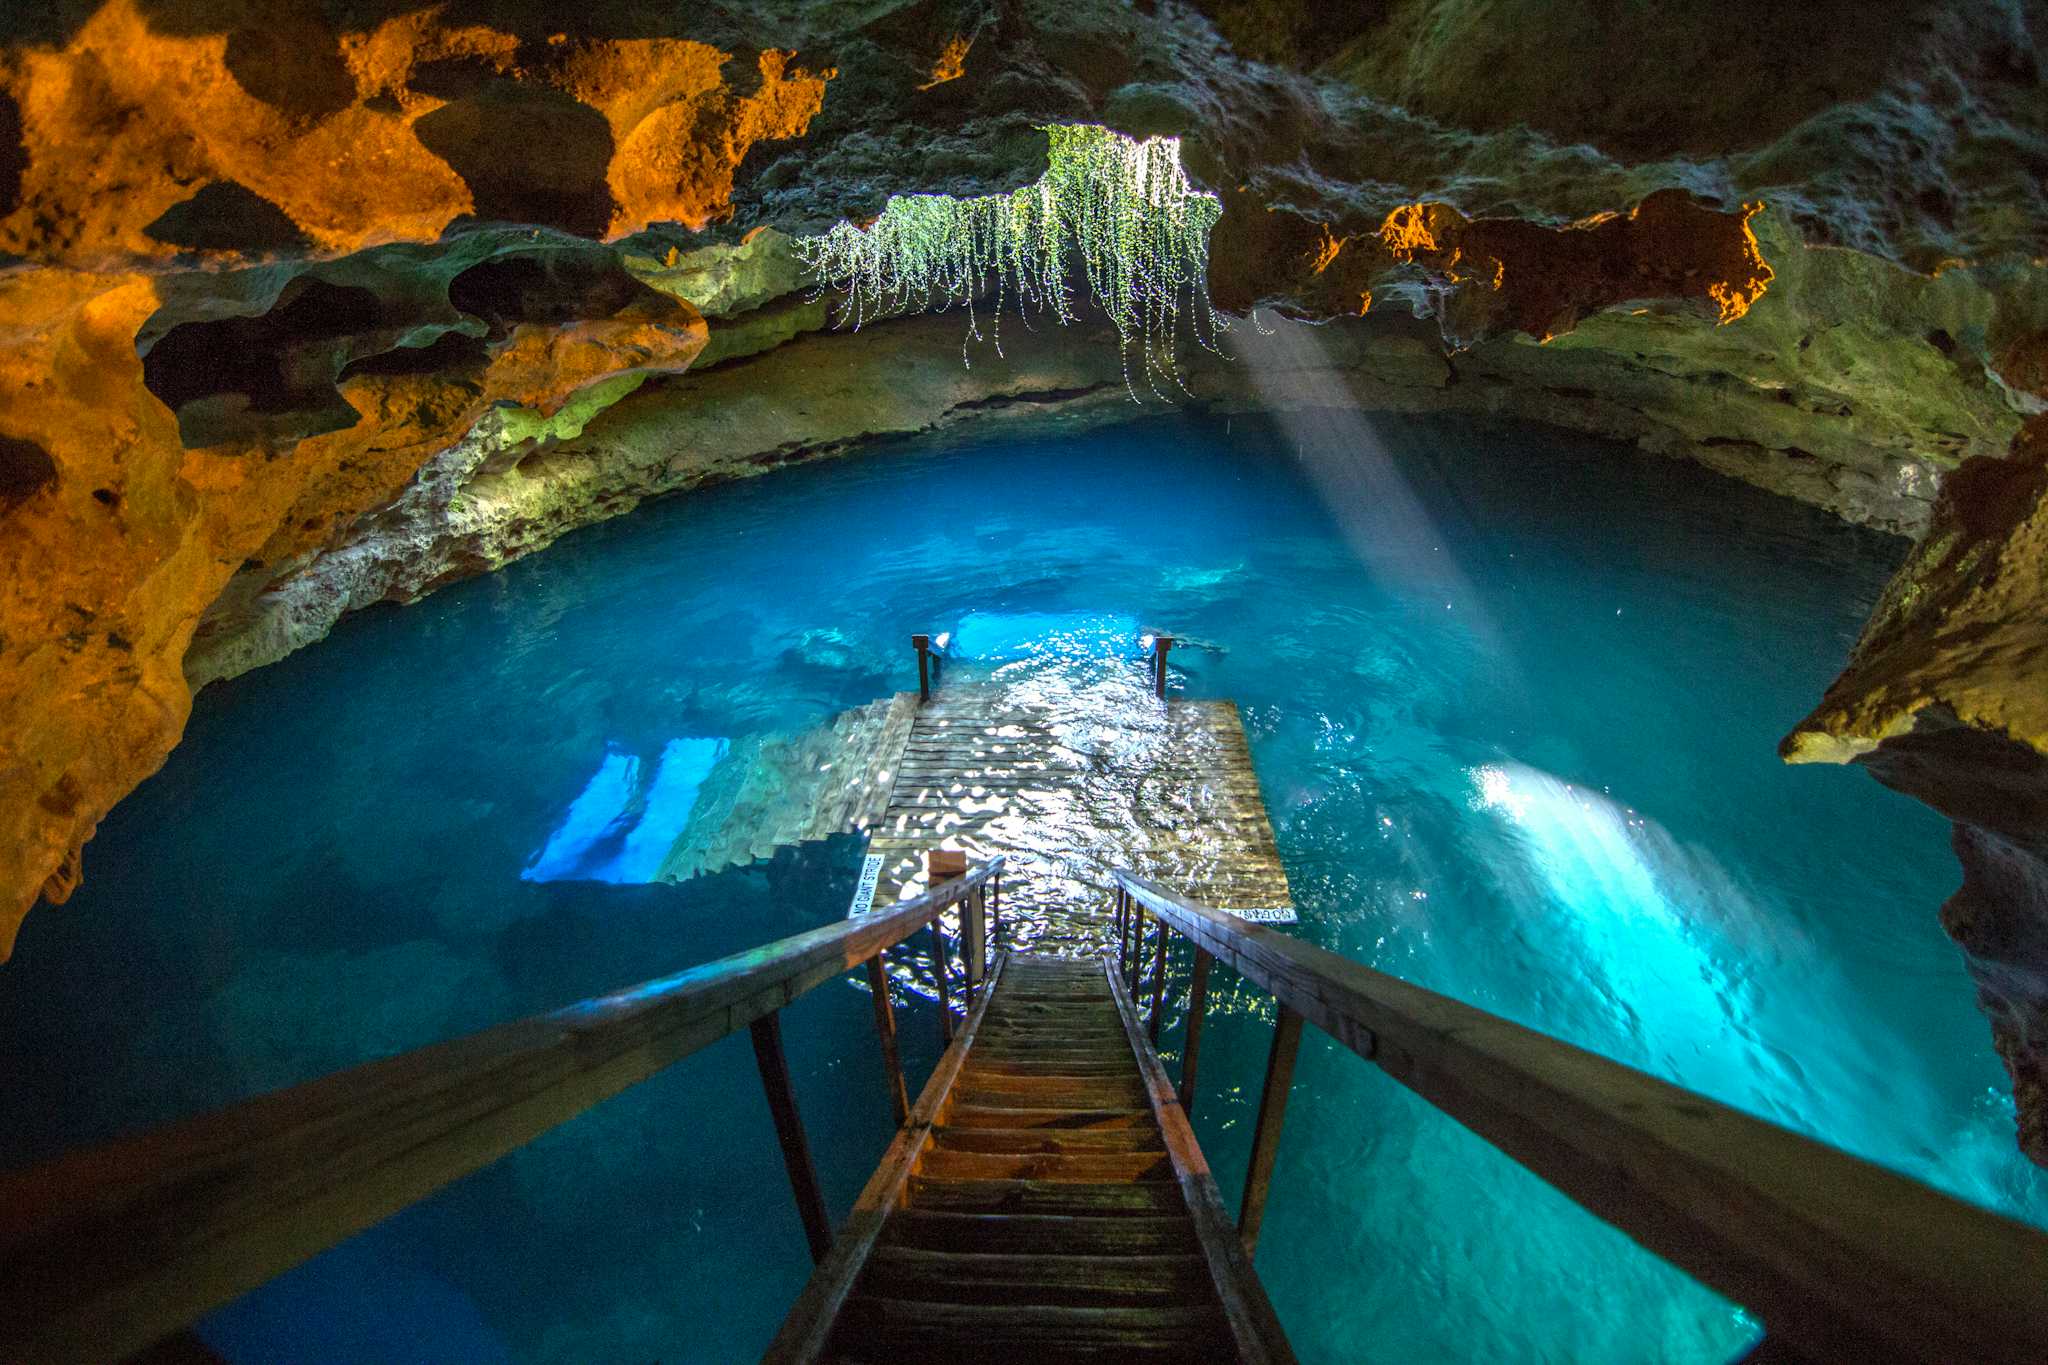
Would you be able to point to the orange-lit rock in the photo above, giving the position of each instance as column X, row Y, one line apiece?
column 1543, row 280
column 952, row 63
column 284, row 133
column 120, row 537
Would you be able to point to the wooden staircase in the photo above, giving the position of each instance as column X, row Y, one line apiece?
column 1046, row 1202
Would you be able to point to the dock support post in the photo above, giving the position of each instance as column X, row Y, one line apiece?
column 789, row 1128
column 1159, row 982
column 923, row 645
column 1191, row 1051
column 1266, row 1138
column 885, row 1025
column 1160, row 645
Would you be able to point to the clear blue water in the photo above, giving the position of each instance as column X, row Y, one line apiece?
column 1513, row 699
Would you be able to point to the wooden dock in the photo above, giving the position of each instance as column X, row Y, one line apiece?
column 1070, row 786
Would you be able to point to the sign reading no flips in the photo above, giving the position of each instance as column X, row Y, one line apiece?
column 1275, row 915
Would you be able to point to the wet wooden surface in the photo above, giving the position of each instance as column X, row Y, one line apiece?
column 1071, row 794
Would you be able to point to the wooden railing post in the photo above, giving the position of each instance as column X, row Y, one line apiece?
column 885, row 1025
column 942, row 865
column 1159, row 983
column 995, row 912
column 1266, row 1138
column 1134, row 964
column 1160, row 645
column 789, row 1129
column 939, row 975
column 923, row 645
column 1191, row 1052
column 1120, row 915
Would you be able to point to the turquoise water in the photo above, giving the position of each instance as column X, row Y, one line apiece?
column 1513, row 699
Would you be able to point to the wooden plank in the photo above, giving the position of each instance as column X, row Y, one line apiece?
column 1041, row 1233
column 1033, row 1277
column 112, row 1248
column 1095, row 1168
column 1045, row 1196
column 1839, row 1257
column 961, row 1333
column 1127, row 1139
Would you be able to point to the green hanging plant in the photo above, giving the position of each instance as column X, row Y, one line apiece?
column 1123, row 209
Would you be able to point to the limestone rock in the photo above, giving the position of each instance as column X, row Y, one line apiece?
column 1946, row 699
column 108, row 566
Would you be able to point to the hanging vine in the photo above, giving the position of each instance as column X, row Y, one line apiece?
column 1121, row 210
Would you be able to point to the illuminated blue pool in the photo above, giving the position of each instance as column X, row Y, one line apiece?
column 1513, row 699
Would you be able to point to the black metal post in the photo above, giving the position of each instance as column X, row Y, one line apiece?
column 923, row 645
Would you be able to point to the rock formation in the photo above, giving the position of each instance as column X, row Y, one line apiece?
column 309, row 307
column 1946, row 699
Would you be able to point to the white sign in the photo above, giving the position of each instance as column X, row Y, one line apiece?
column 1277, row 915
column 864, row 892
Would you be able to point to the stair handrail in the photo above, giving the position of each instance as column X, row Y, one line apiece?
column 1840, row 1258
column 110, row 1249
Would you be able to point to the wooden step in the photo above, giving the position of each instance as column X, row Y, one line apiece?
column 1024, row 1234
column 961, row 1115
column 1046, row 1196
column 1088, row 1089
column 913, row 1331
column 954, row 1163
column 900, row 1272
column 1062, row 1094
column 1037, row 1064
column 1129, row 1139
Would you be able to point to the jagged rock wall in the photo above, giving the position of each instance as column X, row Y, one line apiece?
column 305, row 308
column 118, row 536
column 1946, row 699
